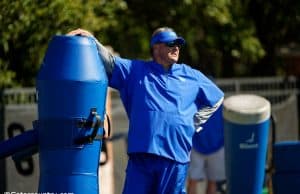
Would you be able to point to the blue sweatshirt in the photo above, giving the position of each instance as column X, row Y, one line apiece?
column 160, row 105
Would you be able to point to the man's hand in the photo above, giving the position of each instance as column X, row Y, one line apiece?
column 80, row 31
column 105, row 54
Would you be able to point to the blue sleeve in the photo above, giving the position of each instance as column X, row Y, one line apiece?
column 209, row 99
column 120, row 73
column 209, row 93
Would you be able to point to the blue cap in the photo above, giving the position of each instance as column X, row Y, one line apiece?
column 166, row 36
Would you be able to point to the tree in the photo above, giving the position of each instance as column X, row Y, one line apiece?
column 225, row 38
column 27, row 27
column 277, row 24
column 221, row 40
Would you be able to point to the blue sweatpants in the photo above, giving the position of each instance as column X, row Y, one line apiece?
column 151, row 174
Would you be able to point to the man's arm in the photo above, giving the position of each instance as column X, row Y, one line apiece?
column 204, row 113
column 106, row 56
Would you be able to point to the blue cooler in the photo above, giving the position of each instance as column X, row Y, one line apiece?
column 246, row 129
column 286, row 158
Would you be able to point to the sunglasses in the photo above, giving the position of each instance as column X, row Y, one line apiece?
column 172, row 44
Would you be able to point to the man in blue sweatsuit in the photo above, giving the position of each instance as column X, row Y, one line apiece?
column 161, row 99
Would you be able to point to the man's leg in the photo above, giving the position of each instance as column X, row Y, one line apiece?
column 196, row 171
column 139, row 177
column 215, row 170
column 172, row 177
column 211, row 187
column 192, row 186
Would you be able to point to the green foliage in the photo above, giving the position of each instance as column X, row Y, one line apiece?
column 276, row 23
column 6, row 76
column 218, row 32
column 225, row 38
column 27, row 26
